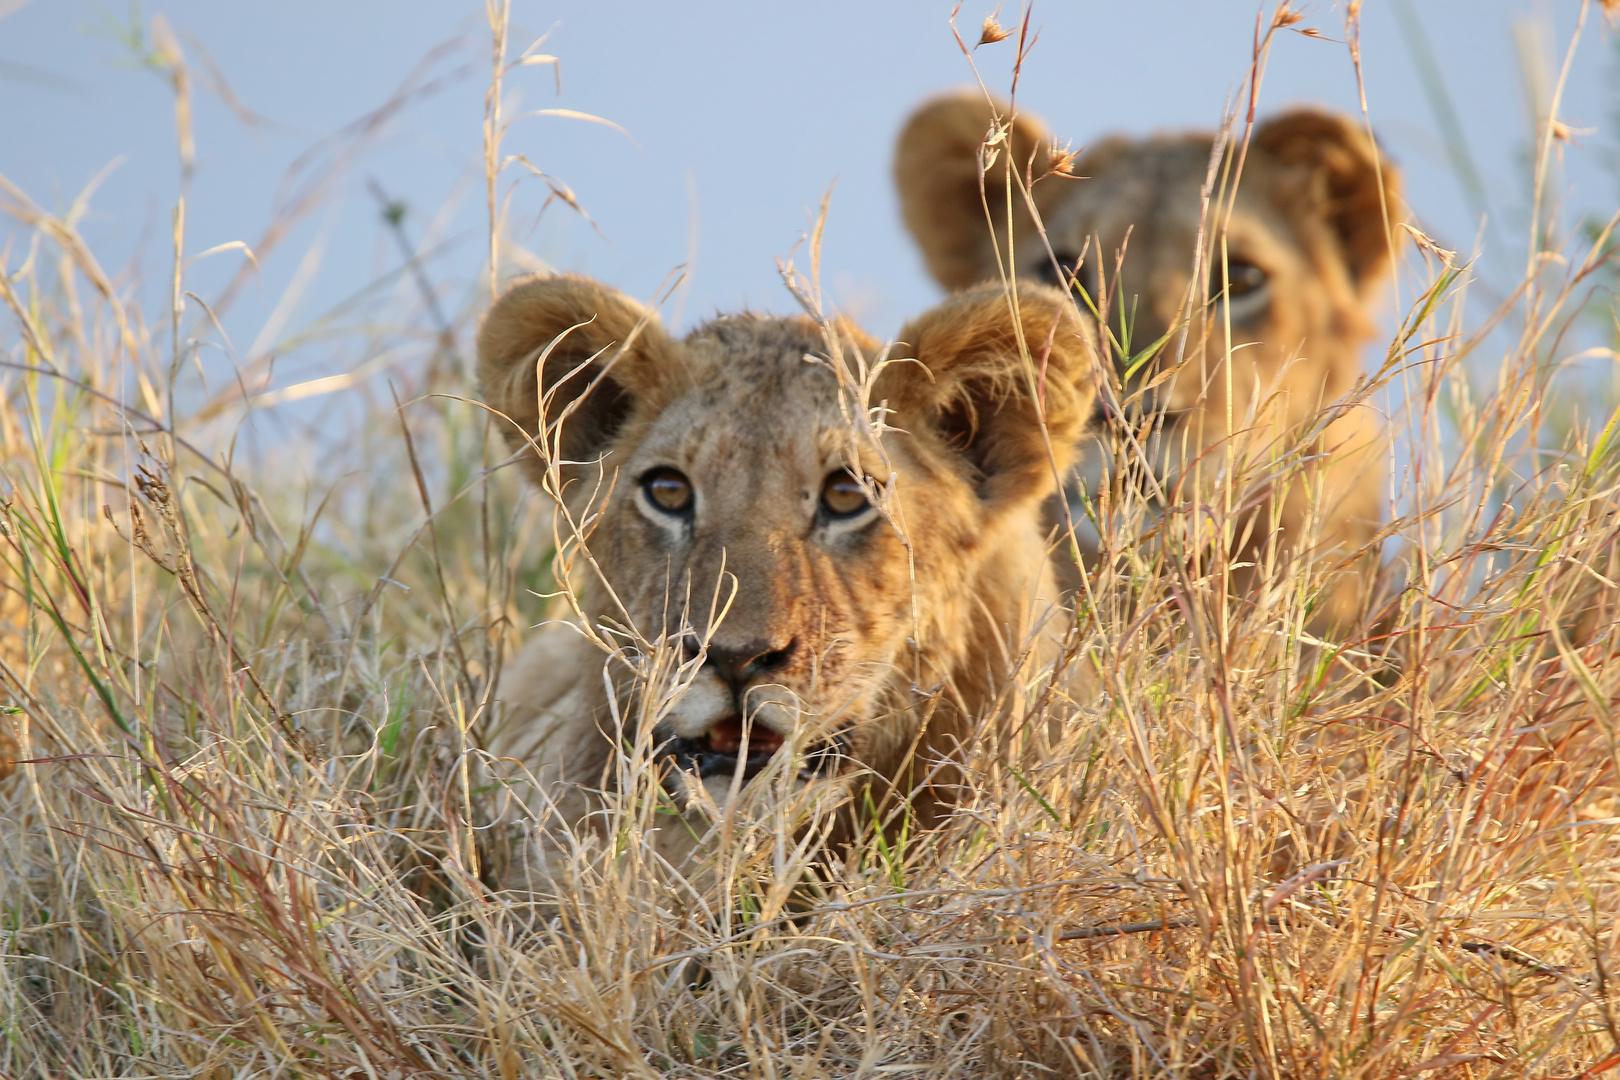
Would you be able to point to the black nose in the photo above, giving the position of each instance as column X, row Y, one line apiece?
column 738, row 664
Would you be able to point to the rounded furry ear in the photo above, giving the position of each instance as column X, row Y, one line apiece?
column 1342, row 169
column 938, row 161
column 993, row 374
column 576, row 350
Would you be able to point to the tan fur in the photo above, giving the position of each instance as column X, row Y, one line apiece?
column 1312, row 210
column 932, row 601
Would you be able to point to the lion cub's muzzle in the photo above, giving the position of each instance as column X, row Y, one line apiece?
column 734, row 716
column 724, row 747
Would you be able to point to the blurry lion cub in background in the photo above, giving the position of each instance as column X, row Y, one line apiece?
column 1307, row 244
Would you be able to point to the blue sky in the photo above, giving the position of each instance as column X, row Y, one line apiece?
column 739, row 116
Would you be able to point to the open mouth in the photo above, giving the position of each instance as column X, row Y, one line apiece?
column 720, row 750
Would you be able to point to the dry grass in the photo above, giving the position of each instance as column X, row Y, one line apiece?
column 246, row 835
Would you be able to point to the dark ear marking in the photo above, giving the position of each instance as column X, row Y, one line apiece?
column 602, row 352
column 981, row 397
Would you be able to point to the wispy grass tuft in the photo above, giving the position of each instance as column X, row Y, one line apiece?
column 246, row 831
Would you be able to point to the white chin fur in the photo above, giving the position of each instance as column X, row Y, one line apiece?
column 718, row 790
column 711, row 797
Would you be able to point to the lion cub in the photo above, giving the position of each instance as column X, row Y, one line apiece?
column 727, row 483
column 1307, row 245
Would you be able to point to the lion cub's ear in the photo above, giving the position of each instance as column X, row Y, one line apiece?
column 606, row 353
column 1340, row 171
column 937, row 163
column 985, row 380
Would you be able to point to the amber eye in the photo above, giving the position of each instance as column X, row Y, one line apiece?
column 841, row 495
column 1243, row 279
column 668, row 490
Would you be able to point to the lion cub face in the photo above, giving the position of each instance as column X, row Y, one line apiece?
column 1238, row 346
column 1306, row 243
column 808, row 572
column 1292, row 281
column 741, row 498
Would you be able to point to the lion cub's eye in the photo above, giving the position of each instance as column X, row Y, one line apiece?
column 668, row 490
column 1248, row 290
column 841, row 495
column 1243, row 278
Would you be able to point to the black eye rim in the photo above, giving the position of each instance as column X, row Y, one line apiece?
column 666, row 472
column 840, row 476
column 1243, row 278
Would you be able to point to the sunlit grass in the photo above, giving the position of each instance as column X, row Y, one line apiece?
column 249, row 833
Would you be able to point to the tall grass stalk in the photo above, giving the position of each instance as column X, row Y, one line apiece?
column 247, row 830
